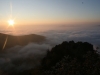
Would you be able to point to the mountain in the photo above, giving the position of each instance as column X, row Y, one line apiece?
column 11, row 40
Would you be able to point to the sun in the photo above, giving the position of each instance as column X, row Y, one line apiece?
column 11, row 22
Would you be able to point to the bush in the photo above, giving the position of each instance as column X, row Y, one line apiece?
column 70, row 58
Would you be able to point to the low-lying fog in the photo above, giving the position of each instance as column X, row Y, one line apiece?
column 21, row 58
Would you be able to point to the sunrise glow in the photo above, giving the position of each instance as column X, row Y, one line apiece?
column 11, row 22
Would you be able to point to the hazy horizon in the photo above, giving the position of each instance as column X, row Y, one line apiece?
column 51, row 22
column 47, row 12
column 76, row 20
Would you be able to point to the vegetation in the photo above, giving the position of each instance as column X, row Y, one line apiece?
column 68, row 58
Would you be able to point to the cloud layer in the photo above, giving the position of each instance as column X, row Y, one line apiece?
column 20, row 58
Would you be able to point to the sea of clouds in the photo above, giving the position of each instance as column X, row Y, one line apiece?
column 20, row 58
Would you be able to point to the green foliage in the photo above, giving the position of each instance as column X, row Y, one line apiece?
column 74, row 50
column 72, row 66
column 70, row 58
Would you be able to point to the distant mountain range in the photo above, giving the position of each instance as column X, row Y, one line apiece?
column 8, row 41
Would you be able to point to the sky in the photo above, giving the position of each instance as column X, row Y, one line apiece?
column 46, row 12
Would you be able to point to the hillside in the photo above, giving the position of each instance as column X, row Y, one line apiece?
column 19, row 40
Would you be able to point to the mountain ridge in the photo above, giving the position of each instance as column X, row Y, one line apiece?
column 11, row 40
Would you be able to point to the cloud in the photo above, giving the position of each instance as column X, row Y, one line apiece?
column 87, row 34
column 21, row 58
